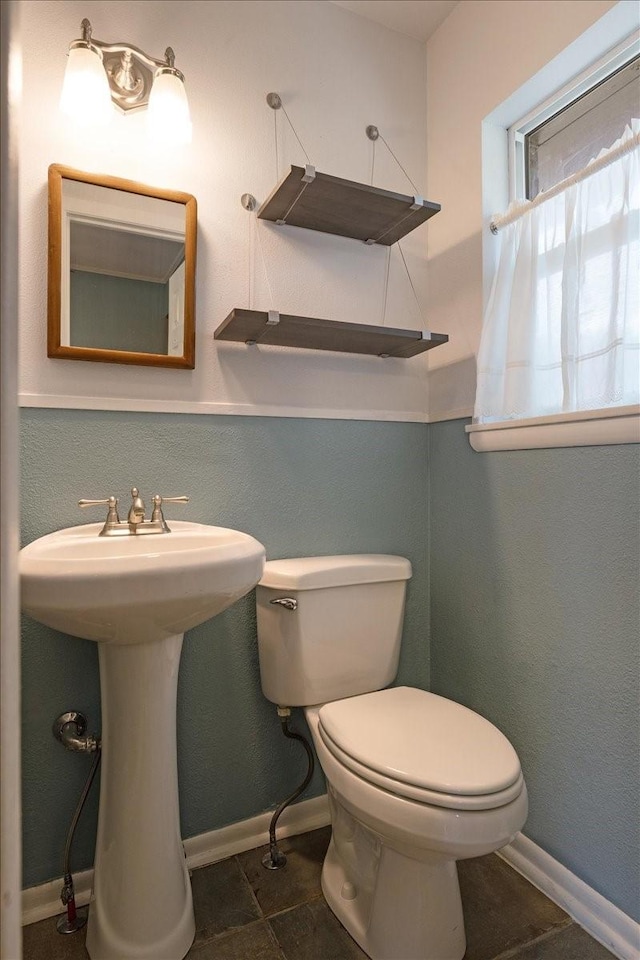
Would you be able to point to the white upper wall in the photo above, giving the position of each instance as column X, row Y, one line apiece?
column 415, row 18
column 336, row 74
column 483, row 52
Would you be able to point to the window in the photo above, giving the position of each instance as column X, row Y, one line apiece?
column 561, row 335
column 564, row 144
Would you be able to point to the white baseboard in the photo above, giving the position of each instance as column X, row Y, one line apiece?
column 43, row 901
column 600, row 918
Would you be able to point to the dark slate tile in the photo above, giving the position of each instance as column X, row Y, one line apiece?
column 570, row 943
column 311, row 932
column 41, row 941
column 253, row 942
column 295, row 883
column 222, row 899
column 502, row 910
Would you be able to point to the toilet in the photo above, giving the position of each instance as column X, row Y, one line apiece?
column 415, row 781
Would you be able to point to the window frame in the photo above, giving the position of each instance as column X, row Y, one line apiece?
column 611, row 62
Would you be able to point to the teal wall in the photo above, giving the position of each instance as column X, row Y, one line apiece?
column 534, row 623
column 118, row 313
column 533, row 609
column 299, row 486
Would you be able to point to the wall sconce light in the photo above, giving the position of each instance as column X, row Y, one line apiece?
column 99, row 74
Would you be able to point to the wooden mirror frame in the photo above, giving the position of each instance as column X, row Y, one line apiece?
column 55, row 349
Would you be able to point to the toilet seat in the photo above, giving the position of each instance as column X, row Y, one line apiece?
column 424, row 747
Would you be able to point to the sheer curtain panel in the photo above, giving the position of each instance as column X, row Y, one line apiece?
column 562, row 328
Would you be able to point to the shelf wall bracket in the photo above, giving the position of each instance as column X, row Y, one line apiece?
column 248, row 201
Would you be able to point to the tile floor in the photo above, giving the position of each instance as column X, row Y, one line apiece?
column 244, row 912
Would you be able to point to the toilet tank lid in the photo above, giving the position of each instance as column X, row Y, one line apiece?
column 312, row 573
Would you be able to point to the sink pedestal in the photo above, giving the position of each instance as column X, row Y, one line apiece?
column 136, row 596
column 141, row 907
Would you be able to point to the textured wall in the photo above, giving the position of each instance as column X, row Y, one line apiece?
column 336, row 73
column 118, row 313
column 534, row 621
column 299, row 486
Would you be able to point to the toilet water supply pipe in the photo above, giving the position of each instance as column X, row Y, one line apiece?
column 275, row 859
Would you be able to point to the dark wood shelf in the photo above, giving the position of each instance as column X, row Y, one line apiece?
column 317, row 201
column 313, row 333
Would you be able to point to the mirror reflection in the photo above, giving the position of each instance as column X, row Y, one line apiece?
column 121, row 271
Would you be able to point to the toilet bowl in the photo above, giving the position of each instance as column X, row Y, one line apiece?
column 390, row 874
column 415, row 781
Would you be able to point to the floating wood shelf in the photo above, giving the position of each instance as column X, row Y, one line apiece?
column 317, row 201
column 313, row 333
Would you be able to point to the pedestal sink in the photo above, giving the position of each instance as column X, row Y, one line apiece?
column 136, row 596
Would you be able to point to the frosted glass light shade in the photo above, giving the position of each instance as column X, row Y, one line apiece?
column 168, row 116
column 85, row 91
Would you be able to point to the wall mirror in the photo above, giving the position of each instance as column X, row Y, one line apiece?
column 122, row 265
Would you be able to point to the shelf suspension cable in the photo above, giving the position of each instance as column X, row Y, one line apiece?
column 276, row 104
column 373, row 133
column 254, row 218
column 275, row 137
column 381, row 136
column 410, row 280
column 386, row 287
column 251, row 266
column 295, row 133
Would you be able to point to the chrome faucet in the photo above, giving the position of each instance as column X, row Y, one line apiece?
column 137, row 509
column 135, row 524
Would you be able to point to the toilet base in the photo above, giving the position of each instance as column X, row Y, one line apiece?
column 405, row 909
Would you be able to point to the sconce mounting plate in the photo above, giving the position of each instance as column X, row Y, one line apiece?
column 130, row 72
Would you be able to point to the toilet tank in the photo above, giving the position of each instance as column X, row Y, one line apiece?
column 340, row 635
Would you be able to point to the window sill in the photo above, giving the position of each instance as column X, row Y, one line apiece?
column 585, row 428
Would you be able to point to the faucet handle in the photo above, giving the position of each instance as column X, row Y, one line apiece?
column 111, row 502
column 157, row 500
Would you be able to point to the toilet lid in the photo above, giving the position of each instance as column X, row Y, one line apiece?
column 423, row 740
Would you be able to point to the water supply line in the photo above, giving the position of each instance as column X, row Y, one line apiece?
column 275, row 859
column 69, row 728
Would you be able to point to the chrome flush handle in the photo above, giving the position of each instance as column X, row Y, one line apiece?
column 287, row 602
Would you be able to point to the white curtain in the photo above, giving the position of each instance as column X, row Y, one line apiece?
column 562, row 326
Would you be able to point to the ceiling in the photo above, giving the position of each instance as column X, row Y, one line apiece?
column 94, row 248
column 416, row 18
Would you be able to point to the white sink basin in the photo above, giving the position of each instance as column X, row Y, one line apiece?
column 135, row 589
column 136, row 595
